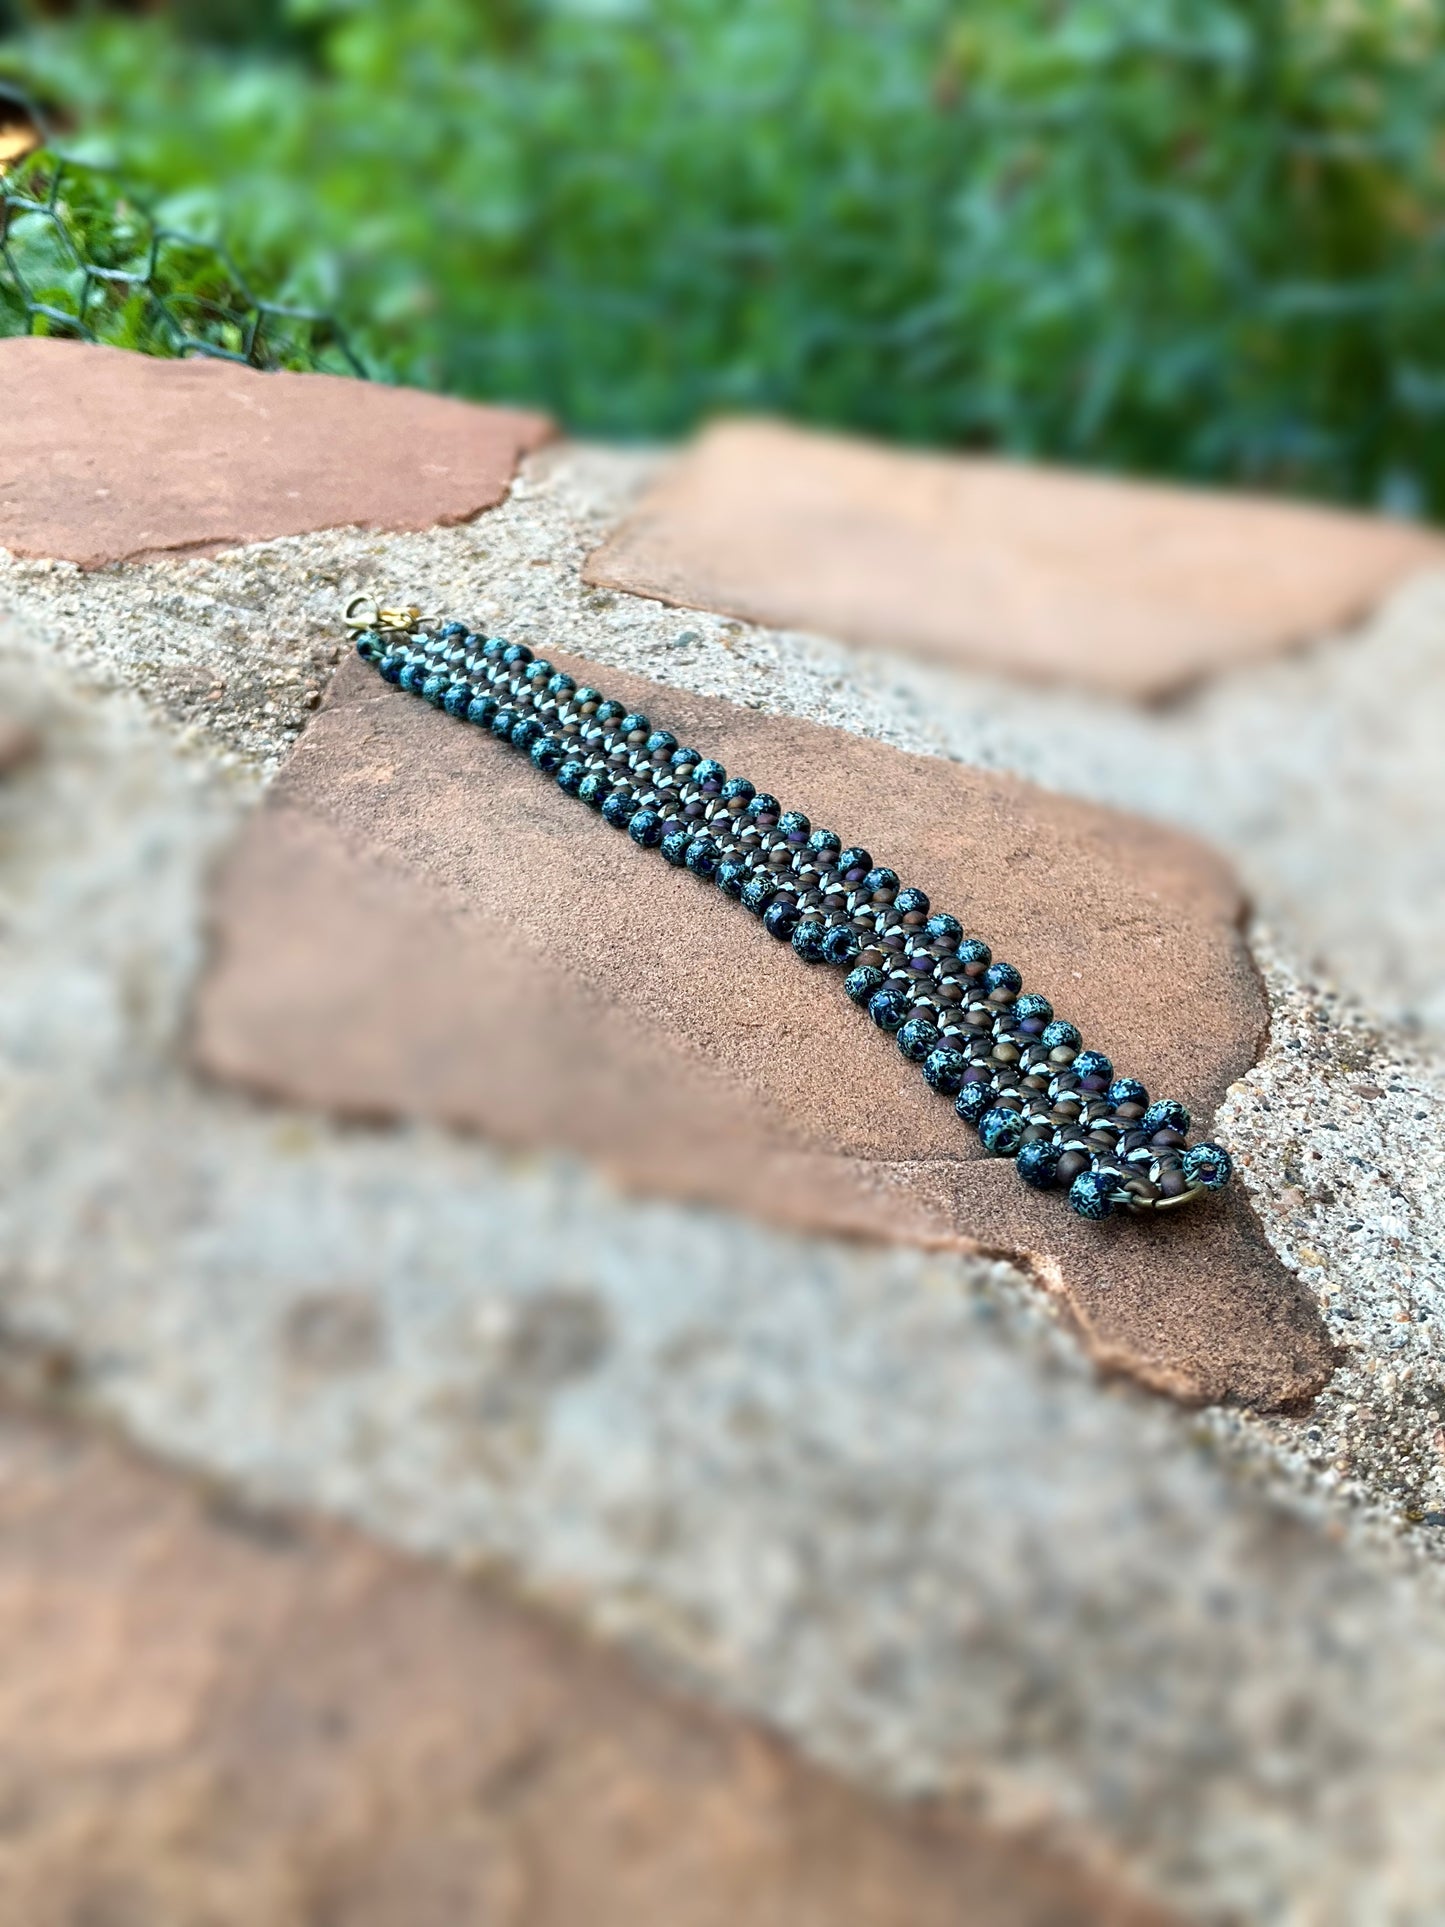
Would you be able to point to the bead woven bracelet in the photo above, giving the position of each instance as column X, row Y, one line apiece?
column 1018, row 1074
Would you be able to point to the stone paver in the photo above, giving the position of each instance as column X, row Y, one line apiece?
column 108, row 455
column 210, row 1713
column 1033, row 573
column 563, row 987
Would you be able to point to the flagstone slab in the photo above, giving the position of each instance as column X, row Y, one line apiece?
column 213, row 1713
column 1029, row 572
column 107, row 456
column 414, row 925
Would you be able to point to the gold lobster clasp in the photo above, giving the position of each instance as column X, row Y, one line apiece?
column 364, row 612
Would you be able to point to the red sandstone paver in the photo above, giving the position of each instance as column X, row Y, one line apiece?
column 212, row 1716
column 107, row 456
column 1030, row 572
column 564, row 988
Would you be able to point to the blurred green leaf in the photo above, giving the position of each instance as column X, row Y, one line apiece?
column 1194, row 237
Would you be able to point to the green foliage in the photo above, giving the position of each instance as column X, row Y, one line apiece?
column 1194, row 237
column 80, row 256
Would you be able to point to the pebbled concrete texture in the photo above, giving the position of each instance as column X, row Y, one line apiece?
column 876, row 1498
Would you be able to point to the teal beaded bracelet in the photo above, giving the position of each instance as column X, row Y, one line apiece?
column 1018, row 1074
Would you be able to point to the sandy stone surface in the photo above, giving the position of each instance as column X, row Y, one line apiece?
column 678, row 1047
column 222, row 1714
column 1035, row 573
column 109, row 455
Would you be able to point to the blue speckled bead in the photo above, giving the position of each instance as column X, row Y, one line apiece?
column 972, row 1101
column 635, row 725
column 645, row 827
column 704, row 853
column 710, row 776
column 413, row 675
column 841, row 945
column 619, row 809
column 570, row 774
column 1001, row 1132
column 854, row 864
column 516, row 652
column 481, row 709
column 824, row 843
column 391, row 666
column 763, row 805
column 1093, row 1063
column 504, row 721
column 973, row 950
column 1127, row 1090
column 942, row 928
column 808, row 939
column 674, row 847
column 1038, row 1164
column 917, row 1038
column 889, row 1009
column 780, row 919
column 758, row 893
column 794, row 827
column 608, row 713
column 1002, row 977
column 525, row 733
column 861, row 984
column 1032, row 1006
column 369, row 646
column 561, row 685
column 732, row 873
column 911, row 903
column 944, row 1069
column 660, row 740
column 737, row 789
column 1091, row 1195
column 1166, row 1115
column 1060, row 1035
column 880, row 878
column 456, row 700
column 594, row 789
column 546, row 753
column 1207, row 1165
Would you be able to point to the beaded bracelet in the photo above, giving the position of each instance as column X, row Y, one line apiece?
column 1018, row 1074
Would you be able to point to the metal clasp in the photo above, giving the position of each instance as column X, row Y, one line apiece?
column 364, row 612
